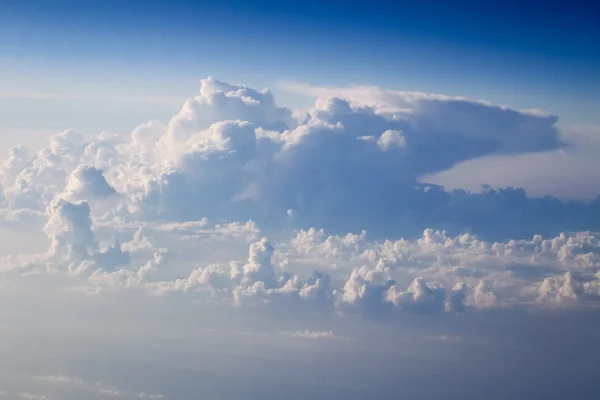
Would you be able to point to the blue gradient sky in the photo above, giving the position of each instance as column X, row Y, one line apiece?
column 522, row 55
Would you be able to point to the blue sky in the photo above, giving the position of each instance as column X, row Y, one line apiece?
column 525, row 56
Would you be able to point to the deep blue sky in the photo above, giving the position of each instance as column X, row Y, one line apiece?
column 523, row 54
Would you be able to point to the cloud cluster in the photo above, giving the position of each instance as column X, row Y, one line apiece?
column 231, row 154
column 436, row 273
column 261, row 280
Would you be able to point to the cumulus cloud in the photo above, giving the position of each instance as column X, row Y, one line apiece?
column 73, row 245
column 261, row 280
column 69, row 229
column 560, row 289
column 88, row 182
column 436, row 273
column 18, row 158
column 348, row 166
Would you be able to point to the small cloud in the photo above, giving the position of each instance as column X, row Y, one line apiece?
column 30, row 396
column 95, row 387
column 390, row 139
column 312, row 335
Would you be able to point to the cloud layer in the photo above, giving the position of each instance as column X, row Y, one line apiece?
column 131, row 213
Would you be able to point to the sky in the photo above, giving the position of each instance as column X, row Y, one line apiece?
column 249, row 200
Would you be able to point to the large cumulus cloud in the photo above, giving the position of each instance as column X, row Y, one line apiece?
column 232, row 154
column 172, row 209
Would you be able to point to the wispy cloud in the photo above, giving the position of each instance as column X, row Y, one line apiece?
column 95, row 387
column 313, row 335
column 30, row 396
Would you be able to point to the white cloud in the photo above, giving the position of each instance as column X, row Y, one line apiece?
column 435, row 274
column 138, row 243
column 312, row 335
column 232, row 154
column 18, row 159
column 69, row 229
column 575, row 165
column 31, row 396
column 434, row 114
column 561, row 289
column 390, row 139
column 262, row 280
column 87, row 182
column 114, row 206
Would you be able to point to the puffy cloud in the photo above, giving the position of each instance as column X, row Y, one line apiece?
column 481, row 297
column 221, row 101
column 42, row 176
column 440, row 116
column 73, row 245
column 349, row 164
column 434, row 274
column 563, row 289
column 72, row 241
column 145, row 136
column 18, row 159
column 69, row 230
column 88, row 182
column 439, row 273
column 258, row 267
column 369, row 292
column 231, row 154
column 314, row 241
column 419, row 294
column 261, row 280
column 390, row 139
column 366, row 288
column 138, row 243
